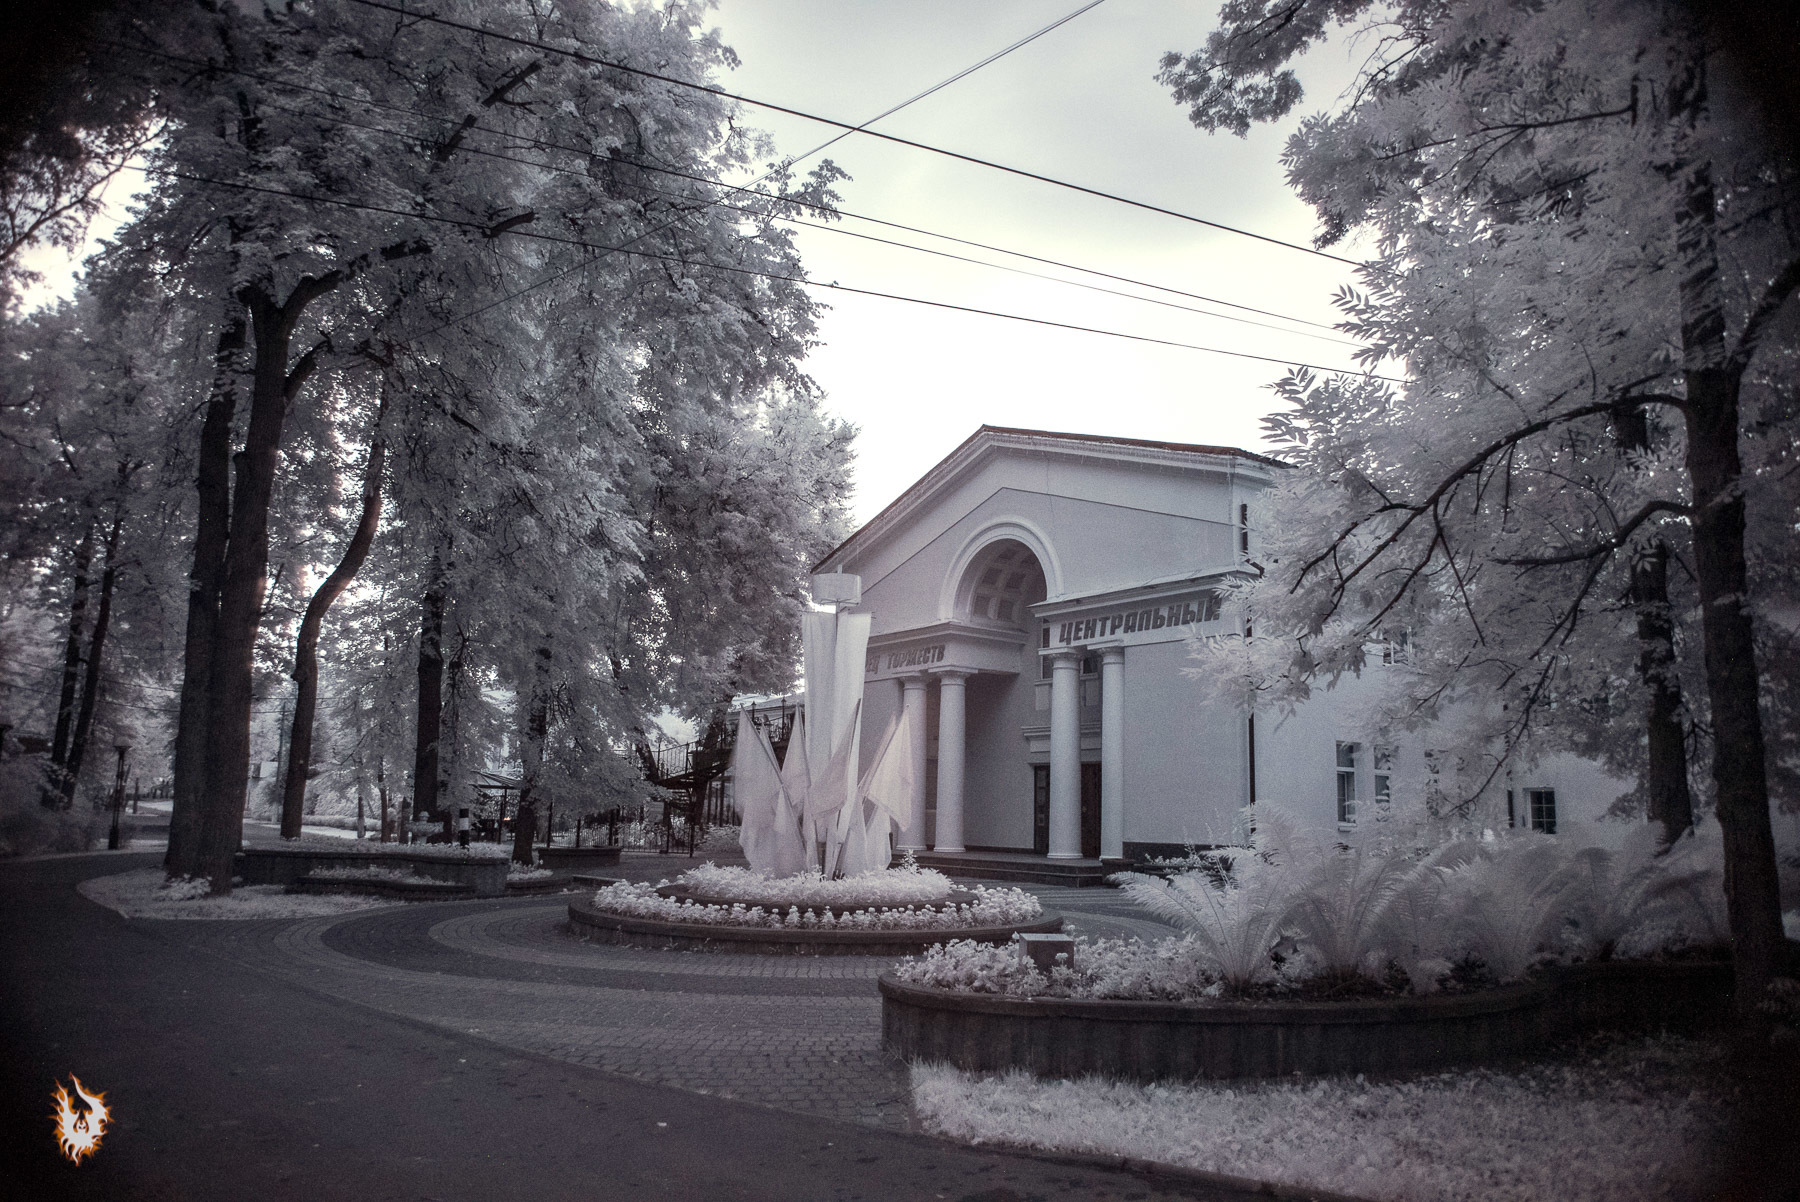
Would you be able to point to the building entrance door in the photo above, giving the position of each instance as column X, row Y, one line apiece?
column 1090, row 811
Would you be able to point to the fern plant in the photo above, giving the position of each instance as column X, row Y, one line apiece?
column 1683, row 903
column 1511, row 902
column 1234, row 926
column 1342, row 893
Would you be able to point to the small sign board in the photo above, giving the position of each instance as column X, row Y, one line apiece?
column 836, row 588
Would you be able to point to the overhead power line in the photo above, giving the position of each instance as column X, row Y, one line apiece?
column 944, row 83
column 707, row 202
column 750, row 189
column 591, row 60
column 602, row 248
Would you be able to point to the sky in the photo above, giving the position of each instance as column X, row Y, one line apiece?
column 1080, row 104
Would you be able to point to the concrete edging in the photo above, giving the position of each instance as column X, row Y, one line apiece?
column 285, row 865
column 587, row 920
column 1148, row 1041
column 419, row 890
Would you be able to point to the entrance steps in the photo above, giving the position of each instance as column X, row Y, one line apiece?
column 1018, row 866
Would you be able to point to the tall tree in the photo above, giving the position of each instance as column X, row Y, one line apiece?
column 1571, row 225
column 316, row 234
column 306, row 643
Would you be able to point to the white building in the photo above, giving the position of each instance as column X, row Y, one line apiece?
column 1033, row 596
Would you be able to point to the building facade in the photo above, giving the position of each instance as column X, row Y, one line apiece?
column 1034, row 597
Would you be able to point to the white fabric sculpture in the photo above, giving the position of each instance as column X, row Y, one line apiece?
column 815, row 801
column 885, row 800
column 835, row 646
column 770, row 833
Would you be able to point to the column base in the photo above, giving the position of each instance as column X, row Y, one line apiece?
column 1065, row 855
column 903, row 847
column 950, row 849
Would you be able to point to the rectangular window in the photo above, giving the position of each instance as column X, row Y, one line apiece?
column 1244, row 529
column 1542, row 804
column 1346, row 782
column 1384, row 779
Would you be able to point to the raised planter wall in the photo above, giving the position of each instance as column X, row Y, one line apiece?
column 1148, row 1041
column 374, row 887
column 285, row 865
column 585, row 919
column 573, row 859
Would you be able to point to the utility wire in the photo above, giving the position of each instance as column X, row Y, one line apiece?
column 602, row 249
column 831, row 229
column 788, row 165
column 940, row 86
column 590, row 153
column 590, row 60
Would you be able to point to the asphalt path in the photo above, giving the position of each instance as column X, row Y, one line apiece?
column 228, row 1083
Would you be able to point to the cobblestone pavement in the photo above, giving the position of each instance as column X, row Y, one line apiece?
column 801, row 1033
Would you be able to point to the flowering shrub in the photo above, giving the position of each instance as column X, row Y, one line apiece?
column 908, row 885
column 1163, row 969
column 373, row 873
column 991, row 908
column 521, row 872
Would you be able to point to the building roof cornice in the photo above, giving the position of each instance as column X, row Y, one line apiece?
column 991, row 440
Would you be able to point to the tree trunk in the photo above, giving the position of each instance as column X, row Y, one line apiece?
column 306, row 645
column 431, row 693
column 273, row 387
column 1666, row 782
column 90, row 688
column 1671, row 800
column 450, row 781
column 212, row 485
column 537, row 730
column 387, row 819
column 1752, row 893
column 71, row 673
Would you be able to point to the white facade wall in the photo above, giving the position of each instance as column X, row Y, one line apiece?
column 1126, row 534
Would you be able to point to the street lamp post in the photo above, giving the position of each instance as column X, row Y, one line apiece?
column 118, row 798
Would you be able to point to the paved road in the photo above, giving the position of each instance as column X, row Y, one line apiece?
column 442, row 1052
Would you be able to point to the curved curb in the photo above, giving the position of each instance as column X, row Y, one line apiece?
column 646, row 932
column 1150, row 1041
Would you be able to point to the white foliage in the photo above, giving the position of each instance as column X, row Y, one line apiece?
column 1510, row 903
column 1233, row 927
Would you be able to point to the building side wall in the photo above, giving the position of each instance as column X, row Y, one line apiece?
column 1184, row 759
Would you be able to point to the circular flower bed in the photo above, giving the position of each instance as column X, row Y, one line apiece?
column 908, row 885
column 1383, row 950
column 881, row 913
column 986, row 908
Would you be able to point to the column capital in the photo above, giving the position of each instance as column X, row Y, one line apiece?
column 1113, row 653
column 958, row 675
column 1059, row 654
column 913, row 680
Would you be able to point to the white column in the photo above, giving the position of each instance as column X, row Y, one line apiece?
column 1112, row 752
column 912, row 712
column 1065, row 755
column 952, row 745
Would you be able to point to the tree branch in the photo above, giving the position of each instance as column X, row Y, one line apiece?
column 1608, row 546
column 1757, row 327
